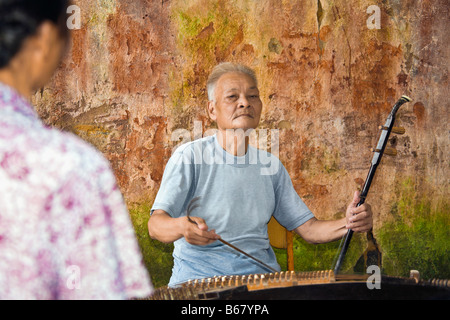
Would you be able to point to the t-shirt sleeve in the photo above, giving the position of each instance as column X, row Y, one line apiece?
column 290, row 210
column 177, row 184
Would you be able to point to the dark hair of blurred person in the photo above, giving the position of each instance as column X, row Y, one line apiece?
column 33, row 38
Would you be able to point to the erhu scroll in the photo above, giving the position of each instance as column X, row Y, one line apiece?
column 381, row 149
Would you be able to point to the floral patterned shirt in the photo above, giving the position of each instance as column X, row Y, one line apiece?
column 65, row 232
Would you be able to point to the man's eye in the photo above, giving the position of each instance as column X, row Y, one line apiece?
column 232, row 97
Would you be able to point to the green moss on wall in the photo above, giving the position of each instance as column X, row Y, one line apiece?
column 205, row 32
column 157, row 255
column 421, row 244
column 204, row 36
column 418, row 235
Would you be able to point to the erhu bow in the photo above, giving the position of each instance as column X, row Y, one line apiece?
column 378, row 153
column 194, row 204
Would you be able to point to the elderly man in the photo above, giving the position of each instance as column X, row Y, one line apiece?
column 236, row 199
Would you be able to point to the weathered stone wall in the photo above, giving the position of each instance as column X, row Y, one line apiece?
column 136, row 72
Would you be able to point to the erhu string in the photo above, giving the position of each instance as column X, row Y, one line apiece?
column 333, row 265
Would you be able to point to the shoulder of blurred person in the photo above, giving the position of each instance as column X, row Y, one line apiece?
column 59, row 198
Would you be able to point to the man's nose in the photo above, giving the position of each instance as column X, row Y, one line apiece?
column 243, row 102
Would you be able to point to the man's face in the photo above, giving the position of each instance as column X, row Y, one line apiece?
column 237, row 104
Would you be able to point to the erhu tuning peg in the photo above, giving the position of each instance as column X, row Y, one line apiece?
column 396, row 130
column 390, row 151
column 387, row 151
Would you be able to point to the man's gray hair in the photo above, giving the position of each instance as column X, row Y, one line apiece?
column 223, row 68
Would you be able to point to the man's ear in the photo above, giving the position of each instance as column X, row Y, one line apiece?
column 212, row 110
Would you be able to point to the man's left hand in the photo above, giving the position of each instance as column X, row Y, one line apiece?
column 359, row 219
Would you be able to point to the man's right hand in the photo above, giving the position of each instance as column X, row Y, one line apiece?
column 196, row 231
column 162, row 227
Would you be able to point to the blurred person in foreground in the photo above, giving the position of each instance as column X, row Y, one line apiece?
column 65, row 232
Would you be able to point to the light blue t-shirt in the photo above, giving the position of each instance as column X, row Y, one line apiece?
column 238, row 196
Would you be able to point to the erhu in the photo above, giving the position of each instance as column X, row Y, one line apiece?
column 378, row 153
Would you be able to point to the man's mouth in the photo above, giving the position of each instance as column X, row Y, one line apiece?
column 244, row 115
